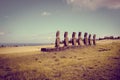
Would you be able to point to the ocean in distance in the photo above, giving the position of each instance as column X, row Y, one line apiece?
column 22, row 44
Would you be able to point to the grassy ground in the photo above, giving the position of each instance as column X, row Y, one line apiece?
column 100, row 62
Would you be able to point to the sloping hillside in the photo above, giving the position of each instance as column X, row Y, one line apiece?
column 100, row 62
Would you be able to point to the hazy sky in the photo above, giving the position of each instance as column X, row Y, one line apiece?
column 37, row 21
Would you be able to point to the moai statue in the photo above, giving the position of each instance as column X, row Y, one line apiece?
column 89, row 39
column 79, row 38
column 57, row 41
column 85, row 39
column 74, row 38
column 94, row 39
column 66, row 40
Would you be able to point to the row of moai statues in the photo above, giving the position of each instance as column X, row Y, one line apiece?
column 87, row 39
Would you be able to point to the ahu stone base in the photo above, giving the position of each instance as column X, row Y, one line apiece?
column 59, row 49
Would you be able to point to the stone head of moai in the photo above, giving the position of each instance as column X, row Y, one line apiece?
column 57, row 33
column 65, row 34
column 89, row 39
column 66, row 40
column 57, row 41
column 79, row 34
column 94, row 36
column 85, row 35
column 79, row 38
column 74, row 38
column 74, row 35
column 89, row 36
column 85, row 39
column 94, row 39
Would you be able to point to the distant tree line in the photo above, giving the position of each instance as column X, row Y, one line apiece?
column 109, row 37
column 2, row 46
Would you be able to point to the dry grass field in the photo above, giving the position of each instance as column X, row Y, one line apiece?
column 100, row 62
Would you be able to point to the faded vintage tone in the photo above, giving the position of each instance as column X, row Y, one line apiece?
column 85, row 39
column 89, row 39
column 74, row 39
column 66, row 39
column 94, row 39
column 57, row 41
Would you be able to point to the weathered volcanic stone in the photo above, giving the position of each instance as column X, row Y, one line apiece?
column 74, row 38
column 85, row 39
column 57, row 41
column 89, row 39
column 94, row 39
column 79, row 38
column 66, row 40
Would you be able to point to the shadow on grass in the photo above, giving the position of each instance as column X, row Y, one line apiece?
column 25, row 75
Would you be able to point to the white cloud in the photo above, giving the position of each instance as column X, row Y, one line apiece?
column 45, row 13
column 94, row 4
column 2, row 33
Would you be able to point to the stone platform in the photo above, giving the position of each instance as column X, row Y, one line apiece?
column 59, row 49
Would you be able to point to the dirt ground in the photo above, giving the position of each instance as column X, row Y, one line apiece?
column 100, row 62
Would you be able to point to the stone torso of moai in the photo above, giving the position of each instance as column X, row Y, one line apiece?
column 79, row 38
column 57, row 41
column 85, row 39
column 74, row 39
column 66, row 40
column 89, row 39
column 94, row 39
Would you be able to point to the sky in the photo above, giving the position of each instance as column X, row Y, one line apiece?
column 36, row 21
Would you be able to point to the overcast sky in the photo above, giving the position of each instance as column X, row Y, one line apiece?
column 36, row 21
